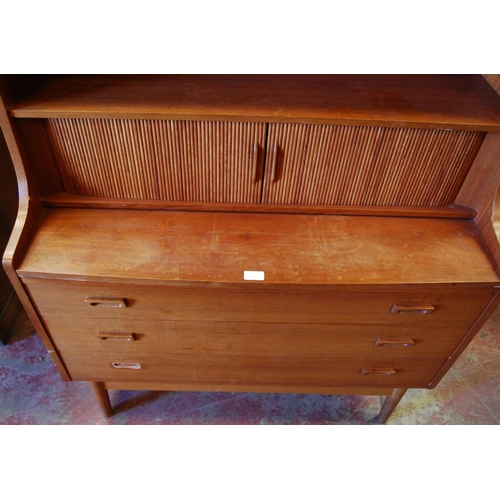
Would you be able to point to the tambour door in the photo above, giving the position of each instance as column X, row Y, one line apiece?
column 197, row 161
column 366, row 166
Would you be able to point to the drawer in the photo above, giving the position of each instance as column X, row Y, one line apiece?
column 216, row 370
column 432, row 309
column 132, row 337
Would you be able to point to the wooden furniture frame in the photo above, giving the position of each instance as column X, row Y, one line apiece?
column 320, row 234
column 10, row 306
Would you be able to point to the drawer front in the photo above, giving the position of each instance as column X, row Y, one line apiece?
column 229, row 337
column 222, row 370
column 433, row 309
column 132, row 337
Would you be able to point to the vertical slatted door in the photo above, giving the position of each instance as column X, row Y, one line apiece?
column 160, row 159
column 366, row 166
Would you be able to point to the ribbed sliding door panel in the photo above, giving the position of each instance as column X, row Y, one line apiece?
column 366, row 166
column 160, row 159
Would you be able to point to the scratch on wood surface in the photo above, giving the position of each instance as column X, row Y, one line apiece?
column 214, row 240
column 339, row 243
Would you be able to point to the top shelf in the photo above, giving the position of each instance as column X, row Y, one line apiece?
column 465, row 102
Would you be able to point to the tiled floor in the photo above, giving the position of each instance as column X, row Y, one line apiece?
column 31, row 392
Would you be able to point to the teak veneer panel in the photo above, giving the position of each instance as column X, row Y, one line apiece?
column 256, row 339
column 245, row 370
column 289, row 249
column 455, row 309
column 435, row 101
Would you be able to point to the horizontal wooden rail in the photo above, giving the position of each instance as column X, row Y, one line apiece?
column 65, row 200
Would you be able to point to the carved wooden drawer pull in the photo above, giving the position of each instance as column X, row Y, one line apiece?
column 105, row 302
column 127, row 366
column 412, row 308
column 127, row 337
column 378, row 371
column 402, row 342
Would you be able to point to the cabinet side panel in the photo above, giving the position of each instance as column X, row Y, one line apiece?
column 39, row 154
column 480, row 321
column 29, row 206
column 480, row 190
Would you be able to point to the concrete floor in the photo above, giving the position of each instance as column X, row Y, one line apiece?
column 31, row 392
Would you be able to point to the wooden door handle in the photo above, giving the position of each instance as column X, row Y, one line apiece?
column 378, row 371
column 412, row 308
column 126, row 337
column 255, row 160
column 274, row 163
column 105, row 302
column 127, row 366
column 401, row 342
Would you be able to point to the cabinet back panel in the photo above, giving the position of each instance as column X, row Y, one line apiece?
column 160, row 159
column 366, row 166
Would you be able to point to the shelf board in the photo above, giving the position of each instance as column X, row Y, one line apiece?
column 425, row 101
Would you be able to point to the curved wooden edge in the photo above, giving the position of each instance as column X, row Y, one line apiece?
column 479, row 192
column 29, row 208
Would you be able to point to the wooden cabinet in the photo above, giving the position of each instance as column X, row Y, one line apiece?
column 322, row 234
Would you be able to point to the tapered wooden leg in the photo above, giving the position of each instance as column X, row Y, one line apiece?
column 102, row 397
column 390, row 404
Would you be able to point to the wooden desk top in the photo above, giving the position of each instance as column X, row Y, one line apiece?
column 218, row 247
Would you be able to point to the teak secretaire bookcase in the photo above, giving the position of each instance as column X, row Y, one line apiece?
column 309, row 234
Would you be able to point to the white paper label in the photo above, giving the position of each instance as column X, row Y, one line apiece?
column 253, row 275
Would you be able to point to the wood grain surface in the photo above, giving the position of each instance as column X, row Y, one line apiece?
column 455, row 309
column 259, row 370
column 494, row 81
column 434, row 101
column 162, row 298
column 289, row 249
column 224, row 162
column 65, row 200
column 480, row 189
column 366, row 166
column 160, row 160
column 257, row 339
column 27, row 212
